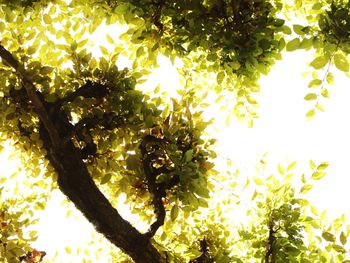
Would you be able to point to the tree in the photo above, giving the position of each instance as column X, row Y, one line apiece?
column 86, row 123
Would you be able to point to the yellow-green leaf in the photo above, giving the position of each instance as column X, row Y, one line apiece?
column 341, row 62
column 315, row 83
column 105, row 179
column 343, row 238
column 310, row 114
column 323, row 166
column 319, row 62
column 258, row 181
column 188, row 155
column 328, row 236
column 293, row 44
column 104, row 50
column 306, row 188
column 338, row 248
column 330, row 78
column 318, row 175
column 220, row 77
column 325, row 93
column 292, row 165
column 310, row 96
column 46, row 70
column 280, row 169
column 47, row 19
column 174, row 212
column 110, row 39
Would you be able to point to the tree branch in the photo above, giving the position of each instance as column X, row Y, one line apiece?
column 156, row 190
column 33, row 95
column 75, row 181
column 271, row 250
column 88, row 90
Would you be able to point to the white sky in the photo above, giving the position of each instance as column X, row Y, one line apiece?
column 283, row 131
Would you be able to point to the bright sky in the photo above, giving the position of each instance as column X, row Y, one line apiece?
column 282, row 130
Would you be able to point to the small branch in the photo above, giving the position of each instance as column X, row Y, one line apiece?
column 88, row 90
column 271, row 251
column 157, row 16
column 156, row 190
column 236, row 14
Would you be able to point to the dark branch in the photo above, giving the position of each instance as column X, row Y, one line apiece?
column 157, row 16
column 156, row 190
column 271, row 250
column 88, row 90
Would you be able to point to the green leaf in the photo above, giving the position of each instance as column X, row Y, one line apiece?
column 323, row 166
column 315, row 83
column 293, row 44
column 330, row 78
column 306, row 43
column 319, row 107
column 306, row 188
column 312, row 165
column 258, row 181
column 310, row 96
column 46, row 70
column 110, row 39
column 104, row 50
column 47, row 19
column 319, row 62
column 328, row 236
column 106, row 178
column 203, row 203
column 343, row 238
column 325, row 93
column 68, row 250
column 341, row 62
column 298, row 29
column 310, row 114
column 317, row 6
column 338, row 248
column 2, row 26
column 220, row 77
column 291, row 166
column 318, row 175
column 280, row 169
column 202, row 192
column 132, row 162
column 278, row 22
column 149, row 122
column 174, row 212
column 188, row 155
column 74, row 45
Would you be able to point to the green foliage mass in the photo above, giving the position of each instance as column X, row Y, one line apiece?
column 153, row 149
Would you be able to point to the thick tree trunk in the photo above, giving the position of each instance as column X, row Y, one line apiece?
column 76, row 183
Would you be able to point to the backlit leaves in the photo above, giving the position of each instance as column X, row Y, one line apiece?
column 341, row 62
column 310, row 96
column 319, row 62
column 328, row 236
column 293, row 44
column 219, row 54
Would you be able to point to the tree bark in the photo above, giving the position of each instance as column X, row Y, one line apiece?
column 76, row 183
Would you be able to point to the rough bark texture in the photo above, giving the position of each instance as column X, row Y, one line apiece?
column 75, row 181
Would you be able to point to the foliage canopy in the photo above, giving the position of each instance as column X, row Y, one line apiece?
column 80, row 122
